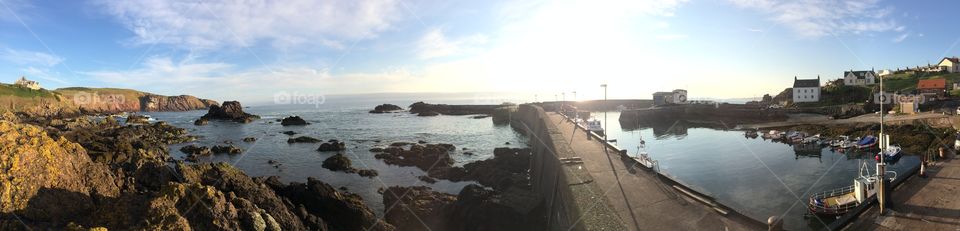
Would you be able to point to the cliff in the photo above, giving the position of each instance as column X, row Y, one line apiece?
column 113, row 100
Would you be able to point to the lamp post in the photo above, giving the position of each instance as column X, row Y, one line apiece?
column 604, row 86
column 881, row 165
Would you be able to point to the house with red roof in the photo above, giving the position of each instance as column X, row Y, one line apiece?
column 935, row 88
column 949, row 64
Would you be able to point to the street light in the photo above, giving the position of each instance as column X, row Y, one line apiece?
column 605, row 131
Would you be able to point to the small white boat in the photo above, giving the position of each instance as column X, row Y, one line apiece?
column 773, row 134
column 594, row 126
column 811, row 139
column 891, row 153
column 842, row 200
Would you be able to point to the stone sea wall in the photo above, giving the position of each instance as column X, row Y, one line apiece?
column 728, row 114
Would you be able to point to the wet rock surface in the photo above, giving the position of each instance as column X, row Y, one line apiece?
column 303, row 139
column 474, row 208
column 201, row 122
column 341, row 210
column 230, row 110
column 421, row 107
column 429, row 157
column 228, row 149
column 341, row 163
column 332, row 146
column 386, row 108
column 293, row 120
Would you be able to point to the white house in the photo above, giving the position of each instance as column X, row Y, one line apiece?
column 678, row 96
column 23, row 82
column 859, row 78
column 951, row 65
column 806, row 90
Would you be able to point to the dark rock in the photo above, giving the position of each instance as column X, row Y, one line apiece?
column 479, row 209
column 376, row 150
column 226, row 149
column 385, row 108
column 332, row 146
column 304, row 139
column 480, row 117
column 398, row 144
column 421, row 107
column 506, row 143
column 368, row 173
column 249, row 139
column 293, row 120
column 137, row 119
column 196, row 150
column 427, row 179
column 421, row 142
column 509, row 167
column 415, row 207
column 271, row 161
column 339, row 162
column 428, row 113
column 289, row 133
column 201, row 122
column 342, row 210
column 430, row 157
column 468, row 153
column 230, row 110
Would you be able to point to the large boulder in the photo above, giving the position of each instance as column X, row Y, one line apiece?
column 429, row 157
column 293, row 120
column 50, row 180
column 303, row 139
column 414, row 207
column 229, row 149
column 386, row 108
column 332, row 146
column 230, row 110
column 339, row 162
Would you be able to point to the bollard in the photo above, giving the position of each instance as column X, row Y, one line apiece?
column 774, row 223
column 941, row 152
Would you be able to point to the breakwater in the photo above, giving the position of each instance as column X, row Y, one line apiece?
column 724, row 114
column 568, row 194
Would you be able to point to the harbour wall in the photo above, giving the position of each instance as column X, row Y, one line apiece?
column 566, row 194
column 724, row 114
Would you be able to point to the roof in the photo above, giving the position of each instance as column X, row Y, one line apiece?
column 932, row 84
column 859, row 74
column 806, row 82
column 953, row 60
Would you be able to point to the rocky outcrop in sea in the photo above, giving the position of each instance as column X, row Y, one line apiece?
column 230, row 110
column 386, row 108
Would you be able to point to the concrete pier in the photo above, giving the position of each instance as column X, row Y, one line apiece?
column 604, row 190
column 931, row 203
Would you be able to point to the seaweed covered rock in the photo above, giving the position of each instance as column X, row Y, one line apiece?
column 339, row 162
column 293, row 120
column 137, row 119
column 429, row 157
column 230, row 110
column 413, row 205
column 201, row 122
column 47, row 179
column 332, row 146
column 229, row 149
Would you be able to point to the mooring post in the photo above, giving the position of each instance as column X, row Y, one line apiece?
column 774, row 223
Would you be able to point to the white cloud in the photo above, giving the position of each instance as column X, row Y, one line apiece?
column 24, row 57
column 671, row 37
column 436, row 44
column 901, row 37
column 222, row 23
column 817, row 18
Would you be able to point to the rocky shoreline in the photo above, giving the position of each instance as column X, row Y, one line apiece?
column 76, row 172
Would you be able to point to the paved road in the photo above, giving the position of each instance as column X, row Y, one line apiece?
column 642, row 200
column 932, row 203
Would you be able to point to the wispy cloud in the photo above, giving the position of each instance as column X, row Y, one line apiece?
column 817, row 18
column 223, row 23
column 436, row 44
column 24, row 57
column 671, row 37
column 901, row 37
column 44, row 74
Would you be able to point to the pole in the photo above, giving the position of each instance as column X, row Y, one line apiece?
column 605, row 128
column 881, row 165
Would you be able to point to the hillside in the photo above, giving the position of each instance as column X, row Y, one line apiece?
column 907, row 81
column 111, row 100
column 94, row 100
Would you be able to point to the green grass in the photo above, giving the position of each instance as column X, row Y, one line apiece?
column 906, row 82
column 69, row 92
column 17, row 91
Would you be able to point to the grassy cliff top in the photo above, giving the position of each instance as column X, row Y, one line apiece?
column 907, row 81
column 17, row 91
column 68, row 91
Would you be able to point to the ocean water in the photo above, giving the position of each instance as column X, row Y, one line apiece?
column 346, row 120
column 757, row 177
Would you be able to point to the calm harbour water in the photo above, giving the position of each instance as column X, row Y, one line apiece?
column 346, row 121
column 757, row 177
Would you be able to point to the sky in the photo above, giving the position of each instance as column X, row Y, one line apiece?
column 519, row 50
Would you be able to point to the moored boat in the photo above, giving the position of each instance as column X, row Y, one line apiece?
column 842, row 200
column 594, row 126
column 890, row 154
column 867, row 142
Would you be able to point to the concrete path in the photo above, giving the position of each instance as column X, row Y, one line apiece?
column 642, row 200
column 931, row 203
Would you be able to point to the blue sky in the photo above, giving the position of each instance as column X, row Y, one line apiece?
column 251, row 50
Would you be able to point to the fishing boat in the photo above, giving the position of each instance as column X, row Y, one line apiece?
column 867, row 142
column 594, row 126
column 643, row 157
column 773, row 134
column 842, row 200
column 811, row 139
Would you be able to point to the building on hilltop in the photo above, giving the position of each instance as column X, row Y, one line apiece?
column 950, row 64
column 932, row 88
column 859, row 78
column 806, row 90
column 23, row 82
column 884, row 72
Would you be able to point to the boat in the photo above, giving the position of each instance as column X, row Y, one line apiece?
column 811, row 139
column 750, row 134
column 842, row 142
column 890, row 154
column 594, row 126
column 842, row 200
column 643, row 157
column 773, row 134
column 867, row 142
